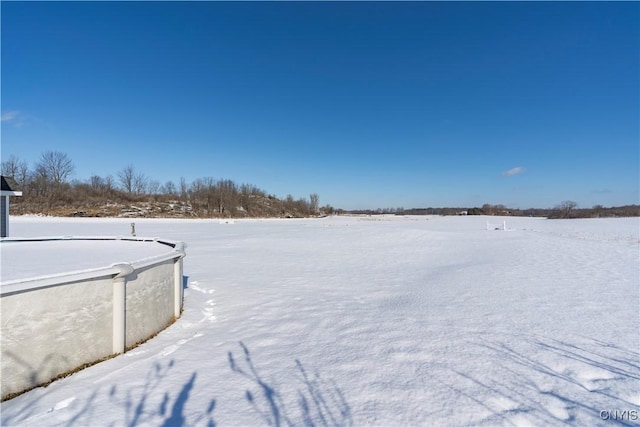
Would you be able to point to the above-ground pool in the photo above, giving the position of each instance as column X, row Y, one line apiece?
column 67, row 302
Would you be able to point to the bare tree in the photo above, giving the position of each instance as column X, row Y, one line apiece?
column 16, row 168
column 125, row 177
column 109, row 183
column 598, row 210
column 55, row 167
column 567, row 208
column 184, row 189
column 226, row 195
column 130, row 180
column 487, row 209
column 140, row 183
column 314, row 200
column 564, row 210
column 96, row 182
column 153, row 187
column 169, row 188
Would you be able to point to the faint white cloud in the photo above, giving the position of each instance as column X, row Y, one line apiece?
column 513, row 171
column 15, row 117
column 8, row 116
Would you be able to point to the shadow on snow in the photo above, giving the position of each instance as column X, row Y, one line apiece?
column 552, row 382
column 317, row 404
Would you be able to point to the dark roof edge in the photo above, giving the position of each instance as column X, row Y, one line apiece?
column 9, row 184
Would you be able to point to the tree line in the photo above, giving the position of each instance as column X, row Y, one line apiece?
column 564, row 210
column 47, row 188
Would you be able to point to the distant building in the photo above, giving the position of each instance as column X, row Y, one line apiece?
column 9, row 188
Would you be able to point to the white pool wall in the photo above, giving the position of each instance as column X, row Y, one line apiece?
column 52, row 325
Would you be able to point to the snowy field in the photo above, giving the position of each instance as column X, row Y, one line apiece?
column 394, row 321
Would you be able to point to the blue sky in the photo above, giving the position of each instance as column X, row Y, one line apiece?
column 368, row 104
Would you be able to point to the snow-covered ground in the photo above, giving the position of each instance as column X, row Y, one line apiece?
column 29, row 259
column 394, row 321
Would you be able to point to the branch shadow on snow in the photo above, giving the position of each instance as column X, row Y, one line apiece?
column 154, row 398
column 171, row 409
column 156, row 402
column 555, row 382
column 318, row 404
column 140, row 406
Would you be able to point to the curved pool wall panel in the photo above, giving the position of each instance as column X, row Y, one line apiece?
column 55, row 324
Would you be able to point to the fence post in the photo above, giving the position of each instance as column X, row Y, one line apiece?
column 178, row 288
column 119, row 307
